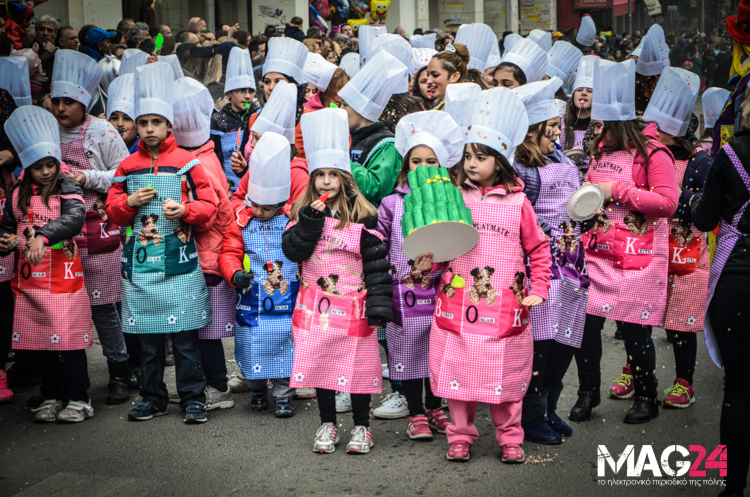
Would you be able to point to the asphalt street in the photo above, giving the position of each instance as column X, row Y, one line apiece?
column 241, row 452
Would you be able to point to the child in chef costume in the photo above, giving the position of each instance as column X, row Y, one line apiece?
column 489, row 358
column 345, row 284
column 578, row 110
column 429, row 139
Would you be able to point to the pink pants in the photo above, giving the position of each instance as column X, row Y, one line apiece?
column 506, row 417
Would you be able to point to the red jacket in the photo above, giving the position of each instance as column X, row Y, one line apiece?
column 209, row 236
column 15, row 30
column 300, row 179
column 197, row 195
column 232, row 251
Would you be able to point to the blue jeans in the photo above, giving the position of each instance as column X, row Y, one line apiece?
column 191, row 381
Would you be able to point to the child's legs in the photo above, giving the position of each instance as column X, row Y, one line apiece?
column 51, row 371
column 396, row 386
column 258, row 385
column 280, row 388
column 685, row 345
column 6, row 323
column 559, row 359
column 152, row 369
column 413, row 393
column 214, row 364
column 108, row 327
column 462, row 427
column 191, row 380
column 507, row 420
column 327, row 405
column 361, row 409
column 431, row 402
column 133, row 346
column 77, row 375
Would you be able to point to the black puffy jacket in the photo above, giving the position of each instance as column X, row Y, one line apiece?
column 298, row 244
column 68, row 225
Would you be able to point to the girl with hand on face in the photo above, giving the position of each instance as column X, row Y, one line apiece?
column 578, row 110
column 445, row 68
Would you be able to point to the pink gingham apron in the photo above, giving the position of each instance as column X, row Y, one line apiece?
column 334, row 348
column 686, row 295
column 101, row 269
column 482, row 352
column 628, row 272
column 52, row 311
column 6, row 184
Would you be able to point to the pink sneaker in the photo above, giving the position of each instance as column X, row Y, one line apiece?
column 6, row 395
column 679, row 395
column 438, row 420
column 418, row 428
column 459, row 451
column 513, row 454
column 623, row 386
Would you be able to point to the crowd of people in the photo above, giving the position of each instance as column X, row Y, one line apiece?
column 170, row 191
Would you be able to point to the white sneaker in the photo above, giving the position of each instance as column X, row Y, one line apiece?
column 326, row 438
column 361, row 441
column 394, row 406
column 343, row 402
column 237, row 384
column 47, row 412
column 386, row 371
column 305, row 393
column 218, row 400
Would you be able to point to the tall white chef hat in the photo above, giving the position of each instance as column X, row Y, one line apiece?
column 541, row 38
column 500, row 121
column 239, row 70
column 132, row 58
column 672, row 103
column 654, row 57
column 15, row 79
column 479, row 39
column 318, row 71
column 278, row 114
column 436, row 130
column 494, row 58
column 121, row 96
column 585, row 73
column 398, row 47
column 326, row 137
column 174, row 62
column 614, row 91
column 366, row 35
column 76, row 76
column 539, row 99
column 110, row 69
column 714, row 99
column 192, row 107
column 34, row 133
column 153, row 90
column 269, row 180
column 423, row 41
column 460, row 99
column 350, row 64
column 563, row 60
column 529, row 57
column 509, row 41
column 587, row 32
column 286, row 56
column 372, row 87
column 420, row 59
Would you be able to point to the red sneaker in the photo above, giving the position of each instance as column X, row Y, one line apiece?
column 418, row 428
column 6, row 395
column 623, row 386
column 438, row 420
column 679, row 395
column 513, row 454
column 459, row 451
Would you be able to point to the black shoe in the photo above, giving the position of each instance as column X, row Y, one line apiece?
column 670, row 338
column 618, row 333
column 118, row 383
column 587, row 400
column 541, row 434
column 260, row 400
column 644, row 409
column 35, row 400
column 557, row 424
column 283, row 407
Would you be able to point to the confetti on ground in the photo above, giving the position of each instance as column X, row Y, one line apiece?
column 530, row 459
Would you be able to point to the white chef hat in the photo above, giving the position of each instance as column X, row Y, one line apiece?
column 479, row 39
column 398, row 47
column 460, row 99
column 366, row 35
column 153, row 90
column 654, row 55
column 132, row 58
column 420, row 59
column 436, row 130
column 562, row 107
column 714, row 99
column 500, row 121
column 585, row 73
column 173, row 61
column 563, row 60
column 614, row 91
column 34, row 133
column 286, row 56
column 509, row 41
column 541, row 38
column 318, row 71
column 75, row 75
column 672, row 103
column 539, row 99
column 193, row 107
column 239, row 70
column 269, row 180
column 110, row 69
column 637, row 51
column 121, row 96
column 373, row 86
column 587, row 32
column 350, row 64
column 529, row 57
column 326, row 137
column 15, row 79
column 278, row 114
column 494, row 58
column 423, row 41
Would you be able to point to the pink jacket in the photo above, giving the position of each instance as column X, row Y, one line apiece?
column 533, row 240
column 313, row 103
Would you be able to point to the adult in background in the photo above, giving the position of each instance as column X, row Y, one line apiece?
column 294, row 29
column 196, row 25
column 188, row 37
column 164, row 30
column 45, row 34
column 346, row 29
column 124, row 25
column 137, row 33
column 67, row 38
column 258, row 46
column 97, row 44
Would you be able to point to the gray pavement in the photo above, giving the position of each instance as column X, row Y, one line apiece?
column 240, row 452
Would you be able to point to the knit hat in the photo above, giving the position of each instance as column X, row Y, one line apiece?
column 34, row 134
column 436, row 130
column 369, row 91
column 529, row 57
column 286, row 56
column 460, row 99
column 269, row 180
column 193, row 107
column 278, row 114
column 14, row 78
column 153, row 90
column 614, row 91
column 479, row 39
column 20, row 11
column 672, row 103
column 75, row 75
column 541, row 38
column 587, row 32
column 563, row 60
column 500, row 121
column 654, row 54
column 240, row 70
column 539, row 99
column 326, row 138
column 318, row 71
column 714, row 100
column 121, row 96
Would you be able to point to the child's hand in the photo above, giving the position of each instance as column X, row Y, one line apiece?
column 243, row 279
column 531, row 301
column 607, row 187
column 239, row 164
column 172, row 210
column 80, row 178
column 141, row 196
column 5, row 242
column 36, row 251
column 318, row 205
column 423, row 262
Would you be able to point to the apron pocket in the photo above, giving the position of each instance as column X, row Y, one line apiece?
column 102, row 237
column 599, row 244
column 449, row 305
column 180, row 257
column 29, row 277
column 148, row 258
column 412, row 302
column 67, row 270
column 633, row 251
column 683, row 257
column 513, row 316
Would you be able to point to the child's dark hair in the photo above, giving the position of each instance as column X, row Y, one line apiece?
column 505, row 175
column 622, row 134
column 518, row 74
column 25, row 190
column 528, row 152
column 476, row 76
column 399, row 106
column 416, row 92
